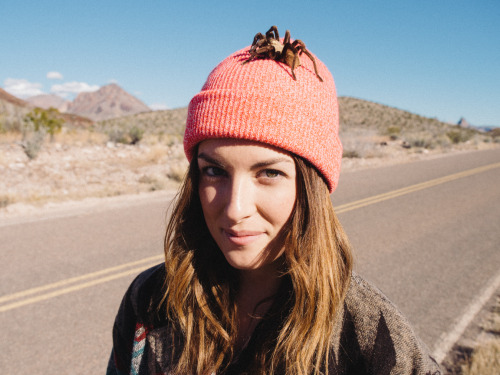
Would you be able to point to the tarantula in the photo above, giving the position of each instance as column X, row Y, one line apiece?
column 270, row 47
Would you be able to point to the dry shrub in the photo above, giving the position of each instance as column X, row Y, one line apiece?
column 156, row 154
column 3, row 160
column 360, row 142
column 161, row 123
column 177, row 171
column 6, row 199
column 33, row 143
column 495, row 135
column 460, row 135
column 9, row 137
column 420, row 132
column 393, row 132
column 351, row 154
column 155, row 182
column 492, row 325
column 422, row 140
column 484, row 360
column 74, row 136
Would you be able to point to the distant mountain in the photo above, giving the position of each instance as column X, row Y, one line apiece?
column 8, row 98
column 484, row 128
column 359, row 113
column 463, row 123
column 108, row 102
column 49, row 100
column 13, row 110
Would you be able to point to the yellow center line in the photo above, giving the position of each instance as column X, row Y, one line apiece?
column 72, row 280
column 116, row 272
column 412, row 188
column 74, row 288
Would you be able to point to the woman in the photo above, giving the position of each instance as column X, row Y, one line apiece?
column 258, row 271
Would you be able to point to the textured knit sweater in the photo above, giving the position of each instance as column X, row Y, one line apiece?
column 371, row 337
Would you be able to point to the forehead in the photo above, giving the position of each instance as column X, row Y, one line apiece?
column 240, row 148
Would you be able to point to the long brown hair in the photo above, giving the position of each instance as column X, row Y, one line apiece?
column 200, row 286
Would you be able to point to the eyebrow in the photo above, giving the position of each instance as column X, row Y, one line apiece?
column 267, row 163
column 209, row 159
column 258, row 165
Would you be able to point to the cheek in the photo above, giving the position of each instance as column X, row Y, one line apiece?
column 280, row 206
column 207, row 196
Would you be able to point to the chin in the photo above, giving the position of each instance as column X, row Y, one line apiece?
column 243, row 263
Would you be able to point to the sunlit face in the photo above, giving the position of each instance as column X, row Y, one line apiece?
column 247, row 191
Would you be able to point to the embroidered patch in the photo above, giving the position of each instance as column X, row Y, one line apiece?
column 138, row 348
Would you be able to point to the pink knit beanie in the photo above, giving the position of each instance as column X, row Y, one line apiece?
column 261, row 101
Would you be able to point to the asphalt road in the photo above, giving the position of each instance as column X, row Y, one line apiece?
column 426, row 233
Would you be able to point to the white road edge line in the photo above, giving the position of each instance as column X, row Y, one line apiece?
column 447, row 340
column 87, row 206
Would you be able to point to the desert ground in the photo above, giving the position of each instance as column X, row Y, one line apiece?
column 76, row 168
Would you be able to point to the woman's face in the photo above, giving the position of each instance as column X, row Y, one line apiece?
column 247, row 191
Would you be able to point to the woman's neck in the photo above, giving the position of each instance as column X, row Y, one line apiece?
column 258, row 285
column 255, row 296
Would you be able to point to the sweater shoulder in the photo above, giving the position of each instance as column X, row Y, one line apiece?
column 145, row 291
column 383, row 333
column 365, row 298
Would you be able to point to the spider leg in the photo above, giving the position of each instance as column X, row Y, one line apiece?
column 252, row 57
column 296, row 62
column 302, row 49
column 271, row 31
column 290, row 57
column 314, row 63
column 269, row 50
column 287, row 37
column 256, row 52
column 257, row 37
column 257, row 44
column 299, row 44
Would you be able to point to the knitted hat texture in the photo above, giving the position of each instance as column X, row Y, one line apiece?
column 261, row 101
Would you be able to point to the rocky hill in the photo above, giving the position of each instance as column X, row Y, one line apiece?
column 109, row 101
column 171, row 122
column 116, row 112
column 12, row 111
column 8, row 98
column 362, row 119
column 49, row 100
column 365, row 114
column 144, row 152
column 357, row 117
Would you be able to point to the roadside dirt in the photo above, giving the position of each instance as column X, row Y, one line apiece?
column 483, row 330
column 72, row 172
column 88, row 174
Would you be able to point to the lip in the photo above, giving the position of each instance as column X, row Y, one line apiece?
column 243, row 237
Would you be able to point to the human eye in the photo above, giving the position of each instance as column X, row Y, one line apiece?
column 271, row 173
column 212, row 171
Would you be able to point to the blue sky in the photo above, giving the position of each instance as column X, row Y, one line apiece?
column 437, row 58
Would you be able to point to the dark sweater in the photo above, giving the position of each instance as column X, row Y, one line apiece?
column 371, row 337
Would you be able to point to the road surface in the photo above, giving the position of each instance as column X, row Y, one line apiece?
column 427, row 233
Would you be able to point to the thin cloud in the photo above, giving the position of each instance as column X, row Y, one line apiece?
column 158, row 107
column 54, row 75
column 22, row 88
column 72, row 88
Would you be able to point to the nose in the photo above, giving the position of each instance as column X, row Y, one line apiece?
column 240, row 199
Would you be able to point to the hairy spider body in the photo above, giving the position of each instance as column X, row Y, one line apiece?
column 270, row 47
